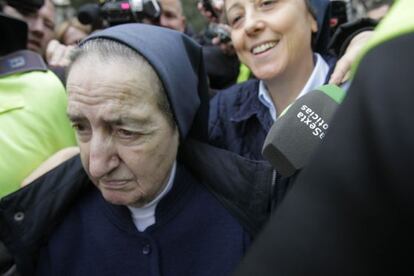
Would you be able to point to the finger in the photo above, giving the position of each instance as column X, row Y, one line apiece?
column 224, row 48
column 215, row 40
column 50, row 49
column 346, row 77
column 66, row 59
column 200, row 6
column 218, row 5
column 341, row 69
column 209, row 15
column 334, row 79
column 227, row 49
column 57, row 55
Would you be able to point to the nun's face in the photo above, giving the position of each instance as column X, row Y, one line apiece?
column 127, row 145
column 272, row 37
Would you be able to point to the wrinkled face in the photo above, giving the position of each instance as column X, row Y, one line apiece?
column 41, row 25
column 272, row 37
column 172, row 16
column 127, row 145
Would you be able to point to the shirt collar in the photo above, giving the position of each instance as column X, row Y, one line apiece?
column 145, row 216
column 317, row 78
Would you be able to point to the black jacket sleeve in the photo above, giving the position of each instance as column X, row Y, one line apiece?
column 346, row 32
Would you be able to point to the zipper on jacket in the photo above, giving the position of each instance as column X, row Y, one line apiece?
column 275, row 180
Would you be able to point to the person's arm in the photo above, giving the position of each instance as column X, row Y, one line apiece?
column 346, row 44
column 342, row 69
column 52, row 162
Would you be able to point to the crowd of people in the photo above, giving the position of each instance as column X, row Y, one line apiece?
column 166, row 175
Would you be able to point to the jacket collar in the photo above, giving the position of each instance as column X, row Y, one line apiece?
column 242, row 185
column 30, row 214
column 248, row 105
column 166, row 208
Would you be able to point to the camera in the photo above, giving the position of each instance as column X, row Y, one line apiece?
column 341, row 12
column 14, row 31
column 215, row 30
column 209, row 7
column 115, row 12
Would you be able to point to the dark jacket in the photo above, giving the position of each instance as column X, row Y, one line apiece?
column 188, row 219
column 238, row 121
column 28, row 217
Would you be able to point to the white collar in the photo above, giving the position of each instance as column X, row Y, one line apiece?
column 317, row 78
column 144, row 217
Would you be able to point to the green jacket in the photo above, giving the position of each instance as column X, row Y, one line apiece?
column 33, row 121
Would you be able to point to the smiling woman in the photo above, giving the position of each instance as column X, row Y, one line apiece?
column 274, row 39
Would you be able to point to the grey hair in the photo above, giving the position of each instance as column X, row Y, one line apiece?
column 109, row 50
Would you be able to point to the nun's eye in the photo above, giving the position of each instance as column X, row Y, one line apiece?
column 127, row 134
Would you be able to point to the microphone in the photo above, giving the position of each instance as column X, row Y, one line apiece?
column 89, row 14
column 301, row 127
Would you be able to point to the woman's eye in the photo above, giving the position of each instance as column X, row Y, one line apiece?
column 267, row 3
column 233, row 21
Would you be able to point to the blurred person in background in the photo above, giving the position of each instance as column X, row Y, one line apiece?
column 41, row 35
column 71, row 32
column 68, row 34
column 222, row 68
column 172, row 15
column 41, row 25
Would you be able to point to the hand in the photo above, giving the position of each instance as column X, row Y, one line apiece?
column 58, row 54
column 225, row 46
column 342, row 69
column 217, row 6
